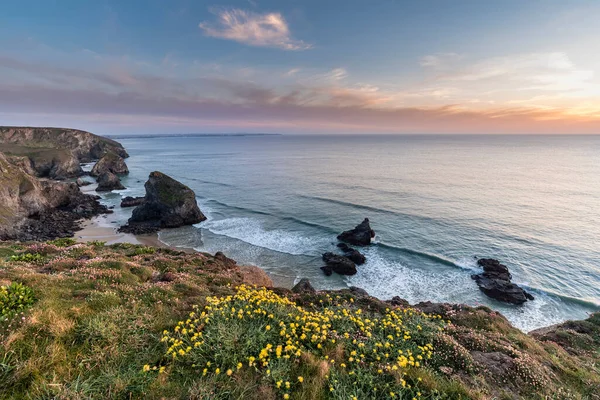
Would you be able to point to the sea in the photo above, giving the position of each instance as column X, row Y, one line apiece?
column 436, row 202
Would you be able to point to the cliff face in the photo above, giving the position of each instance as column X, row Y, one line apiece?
column 85, row 146
column 41, row 209
column 21, row 195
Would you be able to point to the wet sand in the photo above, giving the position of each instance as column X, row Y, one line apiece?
column 104, row 228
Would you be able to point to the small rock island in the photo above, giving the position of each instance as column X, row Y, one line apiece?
column 167, row 204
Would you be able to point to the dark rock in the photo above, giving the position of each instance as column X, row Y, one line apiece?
column 229, row 262
column 132, row 201
column 361, row 235
column 109, row 181
column 110, row 162
column 168, row 204
column 398, row 301
column 303, row 286
column 339, row 264
column 495, row 282
column 358, row 291
column 81, row 182
column 494, row 269
column 495, row 363
column 356, row 256
column 327, row 270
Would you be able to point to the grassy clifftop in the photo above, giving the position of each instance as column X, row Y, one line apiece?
column 125, row 321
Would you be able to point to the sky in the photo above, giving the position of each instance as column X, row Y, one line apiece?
column 313, row 66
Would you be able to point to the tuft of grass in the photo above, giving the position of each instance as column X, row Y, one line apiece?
column 62, row 242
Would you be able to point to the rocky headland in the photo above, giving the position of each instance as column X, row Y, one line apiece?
column 37, row 202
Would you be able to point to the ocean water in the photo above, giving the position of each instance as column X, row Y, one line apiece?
column 436, row 202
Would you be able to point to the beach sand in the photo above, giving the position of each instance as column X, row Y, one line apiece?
column 104, row 228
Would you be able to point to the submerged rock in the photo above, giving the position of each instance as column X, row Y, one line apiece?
column 356, row 256
column 495, row 282
column 338, row 264
column 110, row 162
column 132, row 201
column 109, row 181
column 361, row 235
column 168, row 204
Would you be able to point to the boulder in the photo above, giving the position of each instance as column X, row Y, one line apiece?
column 361, row 235
column 82, row 182
column 495, row 282
column 109, row 181
column 338, row 264
column 303, row 286
column 356, row 256
column 398, row 301
column 110, row 162
column 132, row 201
column 168, row 204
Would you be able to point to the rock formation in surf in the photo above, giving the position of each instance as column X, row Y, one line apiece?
column 356, row 256
column 109, row 181
column 339, row 264
column 495, row 282
column 129, row 201
column 167, row 204
column 361, row 235
column 112, row 163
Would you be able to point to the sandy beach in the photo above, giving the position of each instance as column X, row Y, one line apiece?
column 102, row 228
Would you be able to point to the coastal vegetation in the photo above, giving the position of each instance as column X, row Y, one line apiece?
column 127, row 321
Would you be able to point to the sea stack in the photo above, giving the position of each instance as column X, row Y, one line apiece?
column 109, row 181
column 495, row 282
column 361, row 235
column 112, row 163
column 338, row 264
column 167, row 204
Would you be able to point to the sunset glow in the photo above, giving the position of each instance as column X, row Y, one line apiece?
column 310, row 67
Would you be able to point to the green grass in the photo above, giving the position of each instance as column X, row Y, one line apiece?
column 103, row 322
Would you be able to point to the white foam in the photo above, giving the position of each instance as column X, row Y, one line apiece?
column 385, row 278
column 251, row 231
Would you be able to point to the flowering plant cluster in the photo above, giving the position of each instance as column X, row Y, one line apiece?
column 360, row 354
column 14, row 299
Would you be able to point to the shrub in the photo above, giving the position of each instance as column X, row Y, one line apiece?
column 14, row 299
column 27, row 257
column 362, row 355
column 63, row 242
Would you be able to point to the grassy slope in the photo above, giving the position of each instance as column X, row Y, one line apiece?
column 101, row 314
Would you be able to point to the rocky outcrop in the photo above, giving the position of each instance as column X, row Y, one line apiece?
column 361, row 235
column 109, row 181
column 43, row 162
column 112, row 163
column 495, row 282
column 85, row 146
column 303, row 286
column 129, row 201
column 339, row 264
column 356, row 256
column 168, row 204
column 577, row 337
column 21, row 195
column 31, row 209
